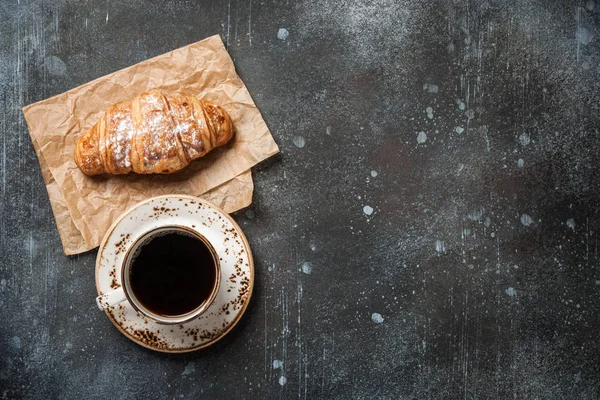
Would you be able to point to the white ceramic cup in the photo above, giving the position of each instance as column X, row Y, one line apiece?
column 125, row 292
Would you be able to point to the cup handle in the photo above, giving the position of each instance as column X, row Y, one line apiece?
column 111, row 298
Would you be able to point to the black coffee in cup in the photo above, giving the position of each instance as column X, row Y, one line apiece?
column 173, row 273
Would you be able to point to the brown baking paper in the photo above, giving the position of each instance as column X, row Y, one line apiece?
column 85, row 207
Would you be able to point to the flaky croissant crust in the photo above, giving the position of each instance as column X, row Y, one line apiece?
column 153, row 133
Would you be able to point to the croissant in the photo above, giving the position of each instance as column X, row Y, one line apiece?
column 153, row 133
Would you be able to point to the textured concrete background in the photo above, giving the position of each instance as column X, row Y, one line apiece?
column 429, row 230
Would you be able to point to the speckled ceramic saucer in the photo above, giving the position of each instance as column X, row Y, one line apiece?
column 237, row 272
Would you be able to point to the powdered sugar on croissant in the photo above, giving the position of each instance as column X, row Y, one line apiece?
column 154, row 133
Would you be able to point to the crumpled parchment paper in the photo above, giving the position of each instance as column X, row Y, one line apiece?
column 85, row 207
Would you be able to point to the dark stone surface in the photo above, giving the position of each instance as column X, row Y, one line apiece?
column 476, row 275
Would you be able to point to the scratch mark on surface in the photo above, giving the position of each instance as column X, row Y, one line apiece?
column 497, row 254
column 327, row 360
column 299, row 338
column 31, row 245
column 265, row 330
column 305, row 375
column 250, row 24
column 284, row 333
column 235, row 32
column 3, row 159
column 587, row 241
column 578, row 19
column 485, row 136
column 228, row 21
column 465, row 343
column 323, row 371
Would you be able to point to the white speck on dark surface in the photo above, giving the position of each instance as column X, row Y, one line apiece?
column 459, row 129
column 476, row 214
column 190, row 368
column 590, row 5
column 571, row 223
column 431, row 88
column 526, row 220
column 374, row 174
column 307, row 268
column 511, row 292
column 299, row 141
column 16, row 342
column 520, row 163
column 429, row 112
column 282, row 34
column 368, row 210
column 55, row 66
column 277, row 364
column 282, row 380
column 584, row 36
column 421, row 137
column 377, row 318
column 440, row 247
column 524, row 139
